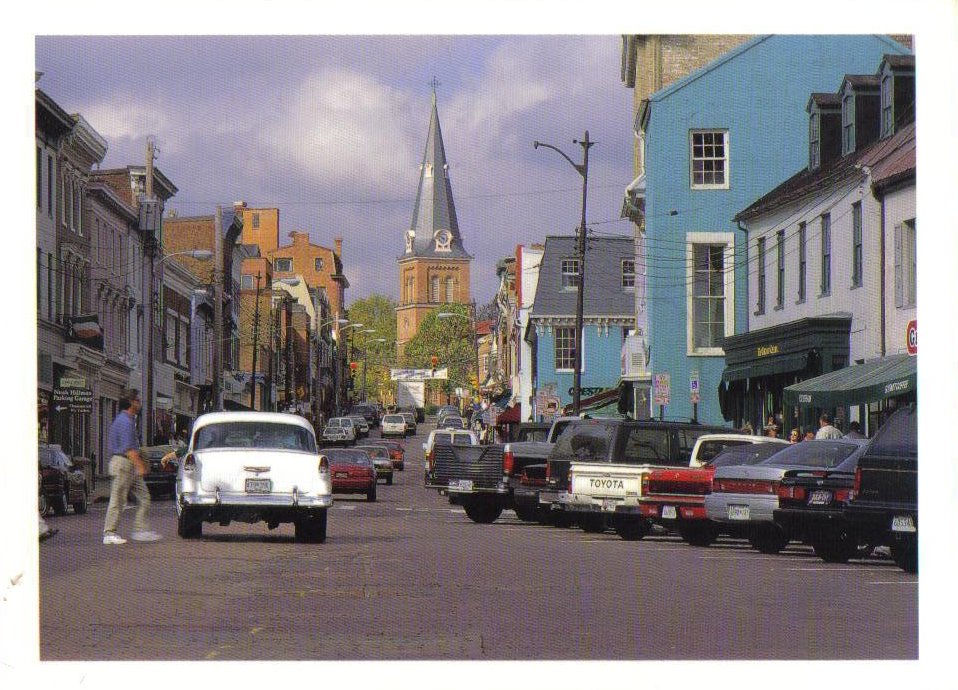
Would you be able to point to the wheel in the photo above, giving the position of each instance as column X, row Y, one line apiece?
column 389, row 479
column 697, row 534
column 630, row 528
column 43, row 504
column 593, row 524
column 371, row 494
column 771, row 540
column 80, row 506
column 561, row 519
column 60, row 503
column 905, row 555
column 311, row 530
column 527, row 513
column 188, row 525
column 482, row 512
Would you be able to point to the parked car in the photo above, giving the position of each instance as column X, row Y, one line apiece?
column 381, row 460
column 397, row 453
column 393, row 425
column 811, row 507
column 362, row 426
column 445, row 411
column 745, row 497
column 411, row 424
column 675, row 498
column 339, row 430
column 253, row 467
column 530, row 456
column 884, row 505
column 160, row 480
column 710, row 445
column 61, row 481
column 453, row 422
column 352, row 471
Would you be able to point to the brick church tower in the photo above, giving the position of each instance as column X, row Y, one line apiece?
column 434, row 268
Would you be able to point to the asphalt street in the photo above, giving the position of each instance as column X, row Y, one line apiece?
column 411, row 577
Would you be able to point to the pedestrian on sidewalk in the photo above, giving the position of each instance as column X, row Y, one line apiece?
column 127, row 468
column 855, row 431
column 826, row 430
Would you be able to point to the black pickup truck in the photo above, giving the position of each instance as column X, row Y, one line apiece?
column 473, row 476
column 884, row 509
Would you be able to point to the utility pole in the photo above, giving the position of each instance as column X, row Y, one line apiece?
column 252, row 393
column 148, row 223
column 288, row 308
column 217, row 310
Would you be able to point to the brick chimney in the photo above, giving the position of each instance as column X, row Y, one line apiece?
column 338, row 242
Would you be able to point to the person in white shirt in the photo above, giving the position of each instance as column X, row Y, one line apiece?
column 826, row 430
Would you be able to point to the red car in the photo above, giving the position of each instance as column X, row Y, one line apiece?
column 352, row 471
column 675, row 498
column 397, row 453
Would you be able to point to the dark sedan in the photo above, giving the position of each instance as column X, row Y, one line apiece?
column 352, row 471
column 61, row 481
column 160, row 480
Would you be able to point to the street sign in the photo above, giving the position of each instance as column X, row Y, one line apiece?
column 418, row 374
column 694, row 387
column 661, row 388
column 911, row 337
column 75, row 400
column 72, row 382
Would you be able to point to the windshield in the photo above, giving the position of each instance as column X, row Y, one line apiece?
column 376, row 451
column 265, row 435
column 394, row 419
column 711, row 448
column 898, row 437
column 824, row 454
column 747, row 454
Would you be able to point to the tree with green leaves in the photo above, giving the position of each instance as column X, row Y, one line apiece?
column 377, row 313
column 451, row 340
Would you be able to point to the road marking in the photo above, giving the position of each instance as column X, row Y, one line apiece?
column 459, row 511
column 404, row 509
column 894, row 582
column 822, row 569
column 346, row 507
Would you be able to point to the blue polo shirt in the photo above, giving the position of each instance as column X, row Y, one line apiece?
column 122, row 435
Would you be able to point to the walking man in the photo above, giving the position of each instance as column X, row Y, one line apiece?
column 826, row 430
column 127, row 468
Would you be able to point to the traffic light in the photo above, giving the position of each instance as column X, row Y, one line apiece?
column 434, row 361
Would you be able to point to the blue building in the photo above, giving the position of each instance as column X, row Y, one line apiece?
column 608, row 312
column 713, row 142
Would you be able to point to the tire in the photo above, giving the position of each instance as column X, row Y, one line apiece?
column 371, row 494
column 188, row 525
column 834, row 548
column 527, row 513
column 311, row 530
column 43, row 504
column 630, row 528
column 769, row 541
column 696, row 534
column 60, row 503
column 905, row 555
column 80, row 506
column 482, row 512
column 593, row 524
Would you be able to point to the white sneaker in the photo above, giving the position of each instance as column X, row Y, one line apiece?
column 146, row 535
column 113, row 538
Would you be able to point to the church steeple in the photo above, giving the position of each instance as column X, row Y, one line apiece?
column 434, row 231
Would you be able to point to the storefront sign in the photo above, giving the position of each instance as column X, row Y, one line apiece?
column 661, row 384
column 75, row 400
column 766, row 350
column 911, row 337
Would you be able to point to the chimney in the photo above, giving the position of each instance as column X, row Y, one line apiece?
column 338, row 242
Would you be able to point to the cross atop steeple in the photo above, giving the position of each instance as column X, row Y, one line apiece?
column 435, row 83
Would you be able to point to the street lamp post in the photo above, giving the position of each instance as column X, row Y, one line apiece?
column 583, row 170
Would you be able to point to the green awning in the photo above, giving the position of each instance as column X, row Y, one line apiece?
column 857, row 385
column 764, row 367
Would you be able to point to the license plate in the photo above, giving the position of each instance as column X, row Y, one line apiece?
column 668, row 513
column 461, row 484
column 903, row 523
column 609, row 505
column 820, row 498
column 342, row 475
column 738, row 513
column 258, row 486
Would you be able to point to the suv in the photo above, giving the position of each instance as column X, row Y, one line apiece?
column 339, row 430
column 369, row 412
column 597, row 466
column 884, row 507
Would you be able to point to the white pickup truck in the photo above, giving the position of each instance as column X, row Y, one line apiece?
column 596, row 470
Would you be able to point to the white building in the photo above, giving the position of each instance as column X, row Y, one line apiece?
column 528, row 260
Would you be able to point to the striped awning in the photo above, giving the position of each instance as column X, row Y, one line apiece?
column 887, row 377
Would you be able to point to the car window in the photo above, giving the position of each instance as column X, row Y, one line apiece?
column 586, row 442
column 376, row 451
column 462, row 440
column 745, row 454
column 647, row 445
column 261, row 435
column 898, row 436
column 442, row 439
column 824, row 454
column 709, row 449
column 394, row 419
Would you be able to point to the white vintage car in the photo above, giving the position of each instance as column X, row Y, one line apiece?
column 253, row 467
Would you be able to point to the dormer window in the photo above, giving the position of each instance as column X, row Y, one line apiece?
column 887, row 107
column 897, row 87
column 848, row 124
column 814, row 141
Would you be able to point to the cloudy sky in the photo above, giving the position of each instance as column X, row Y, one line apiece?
column 331, row 130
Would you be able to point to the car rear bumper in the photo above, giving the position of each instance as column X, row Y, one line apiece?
column 227, row 499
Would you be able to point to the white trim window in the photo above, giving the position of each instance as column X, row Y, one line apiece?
column 708, row 159
column 246, row 281
column 802, row 260
column 780, row 269
column 710, row 292
column 565, row 348
column 905, row 264
column 283, row 265
column 434, row 289
column 814, row 141
column 760, row 259
column 848, row 125
column 570, row 273
column 318, row 264
column 857, row 251
column 826, row 273
column 887, row 106
column 628, row 274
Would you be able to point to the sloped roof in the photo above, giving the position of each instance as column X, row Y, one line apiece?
column 603, row 295
column 896, row 61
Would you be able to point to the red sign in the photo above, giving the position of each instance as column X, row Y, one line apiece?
column 911, row 337
column 353, row 365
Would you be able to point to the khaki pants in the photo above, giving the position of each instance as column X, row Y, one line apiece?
column 126, row 480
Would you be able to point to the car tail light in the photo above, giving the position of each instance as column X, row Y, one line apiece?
column 792, row 492
column 857, row 486
column 548, row 472
column 842, row 495
column 323, row 464
column 429, row 460
column 189, row 463
column 645, row 484
column 508, row 461
column 744, row 486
